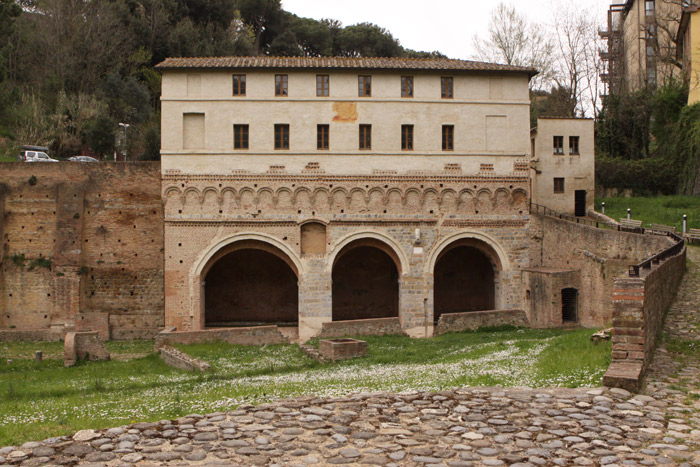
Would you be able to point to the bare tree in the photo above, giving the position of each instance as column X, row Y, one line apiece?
column 577, row 60
column 513, row 40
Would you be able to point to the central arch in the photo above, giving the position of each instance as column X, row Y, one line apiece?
column 365, row 275
column 250, row 282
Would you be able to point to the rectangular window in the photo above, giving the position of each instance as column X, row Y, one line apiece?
column 322, row 136
column 364, row 86
column 649, row 7
column 573, row 146
column 281, row 136
column 322, row 85
column 559, row 145
column 407, row 86
column 240, row 136
column 448, row 137
column 239, row 85
column 558, row 185
column 407, row 137
column 446, row 88
column 281, row 85
column 365, row 136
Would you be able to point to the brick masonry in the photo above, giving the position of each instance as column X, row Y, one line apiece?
column 83, row 345
column 82, row 249
column 455, row 322
column 255, row 335
column 342, row 349
column 639, row 307
column 362, row 327
column 173, row 357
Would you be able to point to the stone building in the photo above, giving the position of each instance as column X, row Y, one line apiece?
column 310, row 191
column 563, row 160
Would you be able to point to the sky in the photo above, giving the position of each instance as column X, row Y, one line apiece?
column 444, row 25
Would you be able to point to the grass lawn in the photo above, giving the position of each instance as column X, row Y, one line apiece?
column 39, row 400
column 667, row 210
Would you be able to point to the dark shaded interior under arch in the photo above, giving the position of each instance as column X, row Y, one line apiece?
column 365, row 285
column 248, row 287
column 464, row 281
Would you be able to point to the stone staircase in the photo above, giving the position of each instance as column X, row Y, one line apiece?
column 312, row 352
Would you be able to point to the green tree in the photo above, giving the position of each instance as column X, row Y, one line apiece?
column 368, row 40
column 100, row 135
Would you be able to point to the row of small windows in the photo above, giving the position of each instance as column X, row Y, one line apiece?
column 573, row 145
column 364, row 86
column 241, row 137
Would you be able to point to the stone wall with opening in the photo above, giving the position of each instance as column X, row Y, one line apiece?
column 364, row 247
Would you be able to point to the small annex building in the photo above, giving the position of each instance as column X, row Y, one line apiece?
column 563, row 164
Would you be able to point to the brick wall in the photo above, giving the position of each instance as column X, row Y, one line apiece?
column 362, row 327
column 101, row 228
column 596, row 255
column 255, row 335
column 456, row 322
column 640, row 304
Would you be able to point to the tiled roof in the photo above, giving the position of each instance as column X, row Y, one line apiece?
column 338, row 63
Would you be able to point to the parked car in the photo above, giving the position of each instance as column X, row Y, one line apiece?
column 82, row 159
column 35, row 154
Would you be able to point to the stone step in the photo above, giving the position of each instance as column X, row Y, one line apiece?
column 312, row 352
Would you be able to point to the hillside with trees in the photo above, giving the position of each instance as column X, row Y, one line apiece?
column 72, row 70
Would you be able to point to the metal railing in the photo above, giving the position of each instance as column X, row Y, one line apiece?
column 673, row 250
column 545, row 211
column 633, row 270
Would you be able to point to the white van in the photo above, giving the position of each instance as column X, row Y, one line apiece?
column 35, row 154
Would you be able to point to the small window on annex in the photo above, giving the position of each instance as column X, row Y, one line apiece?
column 446, row 87
column 558, row 185
column 281, row 136
column 559, row 145
column 281, row 85
column 322, row 136
column 573, row 146
column 240, row 136
column 407, row 137
column 364, row 86
column 365, row 136
column 407, row 86
column 448, row 137
column 322, row 85
column 239, row 85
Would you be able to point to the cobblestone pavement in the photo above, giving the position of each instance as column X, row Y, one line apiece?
column 472, row 426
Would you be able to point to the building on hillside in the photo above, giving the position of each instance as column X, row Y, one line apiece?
column 563, row 161
column 688, row 52
column 306, row 191
column 641, row 44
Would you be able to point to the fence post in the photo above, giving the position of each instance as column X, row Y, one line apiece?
column 629, row 213
column 685, row 223
column 603, row 210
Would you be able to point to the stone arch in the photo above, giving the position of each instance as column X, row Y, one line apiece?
column 519, row 199
column 228, row 200
column 376, row 200
column 501, row 199
column 448, row 200
column 357, row 200
column 247, row 199
column 303, row 199
column 339, row 198
column 321, row 199
column 257, row 251
column 285, row 199
column 266, row 199
column 466, row 270
column 210, row 200
column 378, row 239
column 430, row 201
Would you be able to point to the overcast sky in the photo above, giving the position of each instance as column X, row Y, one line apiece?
column 444, row 25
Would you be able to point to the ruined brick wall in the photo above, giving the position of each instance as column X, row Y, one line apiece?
column 82, row 248
column 596, row 256
column 457, row 322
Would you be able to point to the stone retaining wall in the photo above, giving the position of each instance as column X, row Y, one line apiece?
column 471, row 320
column 173, row 357
column 362, row 327
column 254, row 335
column 639, row 306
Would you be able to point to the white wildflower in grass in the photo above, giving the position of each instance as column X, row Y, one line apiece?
column 48, row 398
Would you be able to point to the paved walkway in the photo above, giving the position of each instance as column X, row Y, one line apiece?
column 473, row 426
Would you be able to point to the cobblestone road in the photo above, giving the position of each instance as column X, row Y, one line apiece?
column 473, row 426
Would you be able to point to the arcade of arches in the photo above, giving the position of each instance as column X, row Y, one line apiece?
column 252, row 283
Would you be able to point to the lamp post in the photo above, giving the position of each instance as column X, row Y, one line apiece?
column 125, row 126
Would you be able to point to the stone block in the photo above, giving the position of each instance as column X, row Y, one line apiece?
column 342, row 349
column 83, row 345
